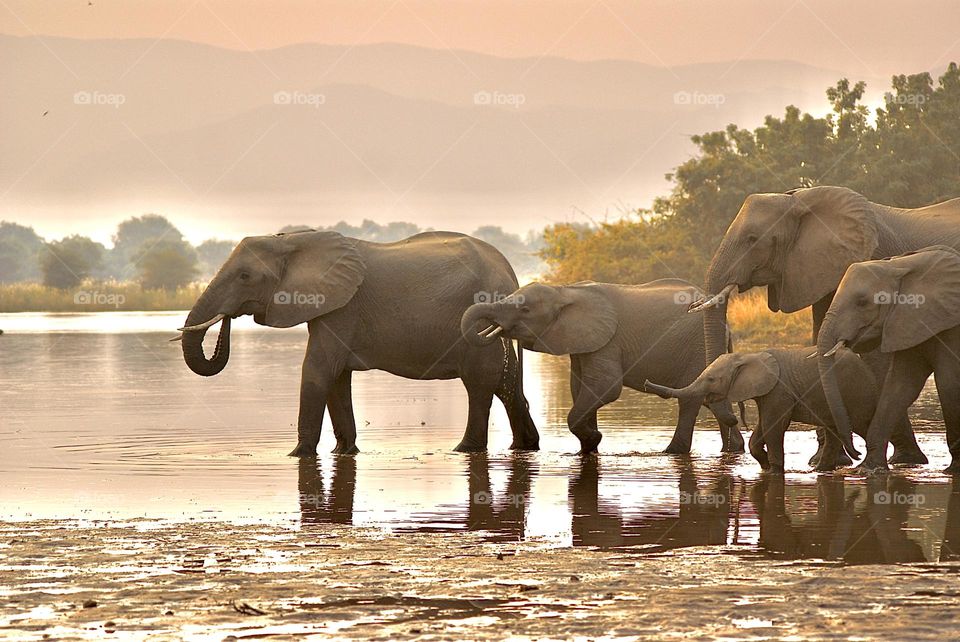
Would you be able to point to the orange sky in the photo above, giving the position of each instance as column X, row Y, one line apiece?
column 869, row 37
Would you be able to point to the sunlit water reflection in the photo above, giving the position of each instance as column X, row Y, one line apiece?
column 101, row 419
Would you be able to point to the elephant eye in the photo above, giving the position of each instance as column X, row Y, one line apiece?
column 244, row 276
column 752, row 238
column 525, row 310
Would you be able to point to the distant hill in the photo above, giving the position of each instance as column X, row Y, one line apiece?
column 450, row 140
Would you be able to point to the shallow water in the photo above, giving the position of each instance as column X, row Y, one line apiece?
column 102, row 420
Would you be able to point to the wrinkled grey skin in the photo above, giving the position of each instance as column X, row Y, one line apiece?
column 799, row 245
column 393, row 307
column 786, row 386
column 909, row 306
column 616, row 336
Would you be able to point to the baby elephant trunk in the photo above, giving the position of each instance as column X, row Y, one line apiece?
column 666, row 392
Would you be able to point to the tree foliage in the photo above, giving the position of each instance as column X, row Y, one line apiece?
column 67, row 262
column 166, row 264
column 908, row 157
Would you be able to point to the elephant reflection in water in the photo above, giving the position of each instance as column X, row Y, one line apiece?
column 318, row 506
column 704, row 517
column 502, row 514
column 858, row 524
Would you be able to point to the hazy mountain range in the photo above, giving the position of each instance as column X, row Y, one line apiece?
column 229, row 143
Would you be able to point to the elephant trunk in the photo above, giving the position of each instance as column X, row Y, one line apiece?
column 192, row 343
column 477, row 325
column 666, row 392
column 826, row 348
column 715, row 332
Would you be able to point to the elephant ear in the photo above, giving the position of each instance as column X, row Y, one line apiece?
column 928, row 300
column 755, row 376
column 585, row 321
column 320, row 273
column 836, row 229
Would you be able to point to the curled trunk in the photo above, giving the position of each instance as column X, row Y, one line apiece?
column 476, row 319
column 192, row 342
column 831, row 387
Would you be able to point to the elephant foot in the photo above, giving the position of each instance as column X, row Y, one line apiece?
column 345, row 449
column 676, row 447
column 734, row 443
column 908, row 455
column 775, row 469
column 470, row 447
column 303, row 450
column 589, row 443
column 952, row 469
column 826, row 462
column 525, row 445
column 872, row 466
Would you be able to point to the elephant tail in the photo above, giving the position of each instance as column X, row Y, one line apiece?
column 510, row 392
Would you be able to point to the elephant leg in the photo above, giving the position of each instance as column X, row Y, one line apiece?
column 315, row 383
column 683, row 434
column 905, row 447
column 815, row 458
column 757, row 446
column 830, row 454
column 480, row 393
column 775, row 419
column 948, row 389
column 340, row 405
column 729, row 427
column 596, row 387
column 902, row 385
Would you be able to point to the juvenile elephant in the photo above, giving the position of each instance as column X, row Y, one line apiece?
column 616, row 335
column 799, row 244
column 387, row 306
column 909, row 307
column 785, row 383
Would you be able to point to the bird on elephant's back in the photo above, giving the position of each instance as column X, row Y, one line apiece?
column 386, row 306
column 798, row 245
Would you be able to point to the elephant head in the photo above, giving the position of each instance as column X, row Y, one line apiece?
column 798, row 244
column 893, row 304
column 737, row 376
column 282, row 280
column 567, row 319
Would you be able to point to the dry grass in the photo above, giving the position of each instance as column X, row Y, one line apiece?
column 94, row 297
column 753, row 323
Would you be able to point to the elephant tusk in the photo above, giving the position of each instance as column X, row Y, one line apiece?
column 495, row 332
column 812, row 355
column 179, row 337
column 840, row 344
column 715, row 300
column 696, row 306
column 487, row 329
column 203, row 326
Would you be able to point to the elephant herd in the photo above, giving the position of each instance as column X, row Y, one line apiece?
column 883, row 284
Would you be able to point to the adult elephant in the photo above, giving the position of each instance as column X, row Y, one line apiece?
column 909, row 307
column 387, row 306
column 800, row 243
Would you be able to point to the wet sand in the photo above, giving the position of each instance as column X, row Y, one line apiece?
column 211, row 581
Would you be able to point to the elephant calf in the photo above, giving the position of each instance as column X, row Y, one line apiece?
column 616, row 335
column 785, row 383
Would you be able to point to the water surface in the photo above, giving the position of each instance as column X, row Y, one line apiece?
column 102, row 420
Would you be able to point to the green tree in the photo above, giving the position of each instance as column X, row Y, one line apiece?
column 130, row 239
column 20, row 248
column 66, row 263
column 166, row 264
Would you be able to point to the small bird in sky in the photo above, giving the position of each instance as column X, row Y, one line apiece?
column 45, row 113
